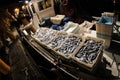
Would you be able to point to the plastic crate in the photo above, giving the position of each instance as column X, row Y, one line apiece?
column 70, row 46
column 58, row 40
column 83, row 57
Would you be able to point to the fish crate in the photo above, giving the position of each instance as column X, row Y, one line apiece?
column 41, row 33
column 58, row 40
column 69, row 46
column 48, row 38
column 89, row 54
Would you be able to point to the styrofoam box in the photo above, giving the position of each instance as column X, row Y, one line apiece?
column 85, row 26
column 57, row 19
column 71, row 27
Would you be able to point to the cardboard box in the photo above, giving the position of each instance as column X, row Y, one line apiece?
column 104, row 28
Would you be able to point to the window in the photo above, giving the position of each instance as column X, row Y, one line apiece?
column 44, row 4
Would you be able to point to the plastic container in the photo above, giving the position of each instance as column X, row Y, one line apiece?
column 71, row 27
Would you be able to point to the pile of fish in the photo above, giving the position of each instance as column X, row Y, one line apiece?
column 49, row 37
column 58, row 40
column 70, row 45
column 89, row 51
column 41, row 33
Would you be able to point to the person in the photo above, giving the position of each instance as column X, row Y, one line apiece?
column 26, row 23
column 6, row 34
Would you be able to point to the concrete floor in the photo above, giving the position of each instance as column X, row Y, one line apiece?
column 112, row 55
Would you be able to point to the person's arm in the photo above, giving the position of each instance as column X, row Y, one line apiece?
column 28, row 25
column 10, row 34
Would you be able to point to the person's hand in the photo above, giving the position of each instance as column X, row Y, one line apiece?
column 21, row 27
